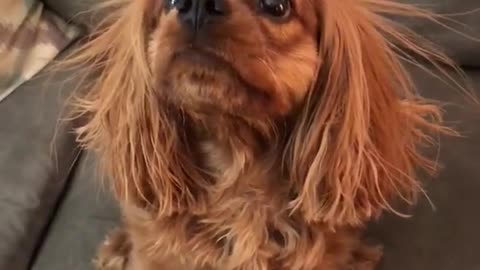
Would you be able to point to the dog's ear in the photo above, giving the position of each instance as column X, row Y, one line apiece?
column 356, row 144
column 123, row 121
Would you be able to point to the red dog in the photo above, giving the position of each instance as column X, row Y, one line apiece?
column 254, row 134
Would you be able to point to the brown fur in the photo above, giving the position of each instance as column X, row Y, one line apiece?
column 272, row 157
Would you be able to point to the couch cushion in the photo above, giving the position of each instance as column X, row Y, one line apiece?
column 83, row 219
column 36, row 155
column 463, row 16
column 446, row 239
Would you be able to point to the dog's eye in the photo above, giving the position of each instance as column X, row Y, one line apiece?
column 276, row 8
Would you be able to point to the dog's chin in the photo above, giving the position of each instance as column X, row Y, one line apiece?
column 206, row 84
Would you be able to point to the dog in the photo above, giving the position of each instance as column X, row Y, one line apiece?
column 254, row 134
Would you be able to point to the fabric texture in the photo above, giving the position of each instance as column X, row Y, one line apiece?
column 30, row 37
column 442, row 233
column 80, row 12
column 84, row 218
column 37, row 153
column 457, row 32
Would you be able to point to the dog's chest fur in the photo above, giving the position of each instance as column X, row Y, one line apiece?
column 246, row 211
column 245, row 224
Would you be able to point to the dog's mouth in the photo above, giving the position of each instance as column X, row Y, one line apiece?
column 204, row 60
column 205, row 81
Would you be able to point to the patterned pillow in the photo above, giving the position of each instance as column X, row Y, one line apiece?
column 30, row 37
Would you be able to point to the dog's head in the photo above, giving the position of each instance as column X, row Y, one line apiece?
column 326, row 74
column 246, row 58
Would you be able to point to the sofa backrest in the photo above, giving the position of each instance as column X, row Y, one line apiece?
column 462, row 40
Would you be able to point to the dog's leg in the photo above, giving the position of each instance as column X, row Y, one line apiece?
column 346, row 250
column 114, row 252
column 365, row 257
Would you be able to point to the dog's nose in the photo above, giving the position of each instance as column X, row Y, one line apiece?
column 196, row 14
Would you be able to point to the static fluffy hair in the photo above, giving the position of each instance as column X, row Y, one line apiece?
column 340, row 158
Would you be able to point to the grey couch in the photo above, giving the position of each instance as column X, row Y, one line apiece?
column 53, row 215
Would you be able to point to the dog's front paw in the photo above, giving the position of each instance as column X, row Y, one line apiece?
column 114, row 252
column 366, row 257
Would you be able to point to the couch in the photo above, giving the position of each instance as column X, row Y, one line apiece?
column 53, row 214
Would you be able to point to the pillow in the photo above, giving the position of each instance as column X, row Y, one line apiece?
column 81, row 12
column 31, row 36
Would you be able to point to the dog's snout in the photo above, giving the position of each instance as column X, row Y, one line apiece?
column 196, row 14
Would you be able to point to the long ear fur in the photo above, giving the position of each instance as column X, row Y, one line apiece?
column 139, row 148
column 356, row 145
